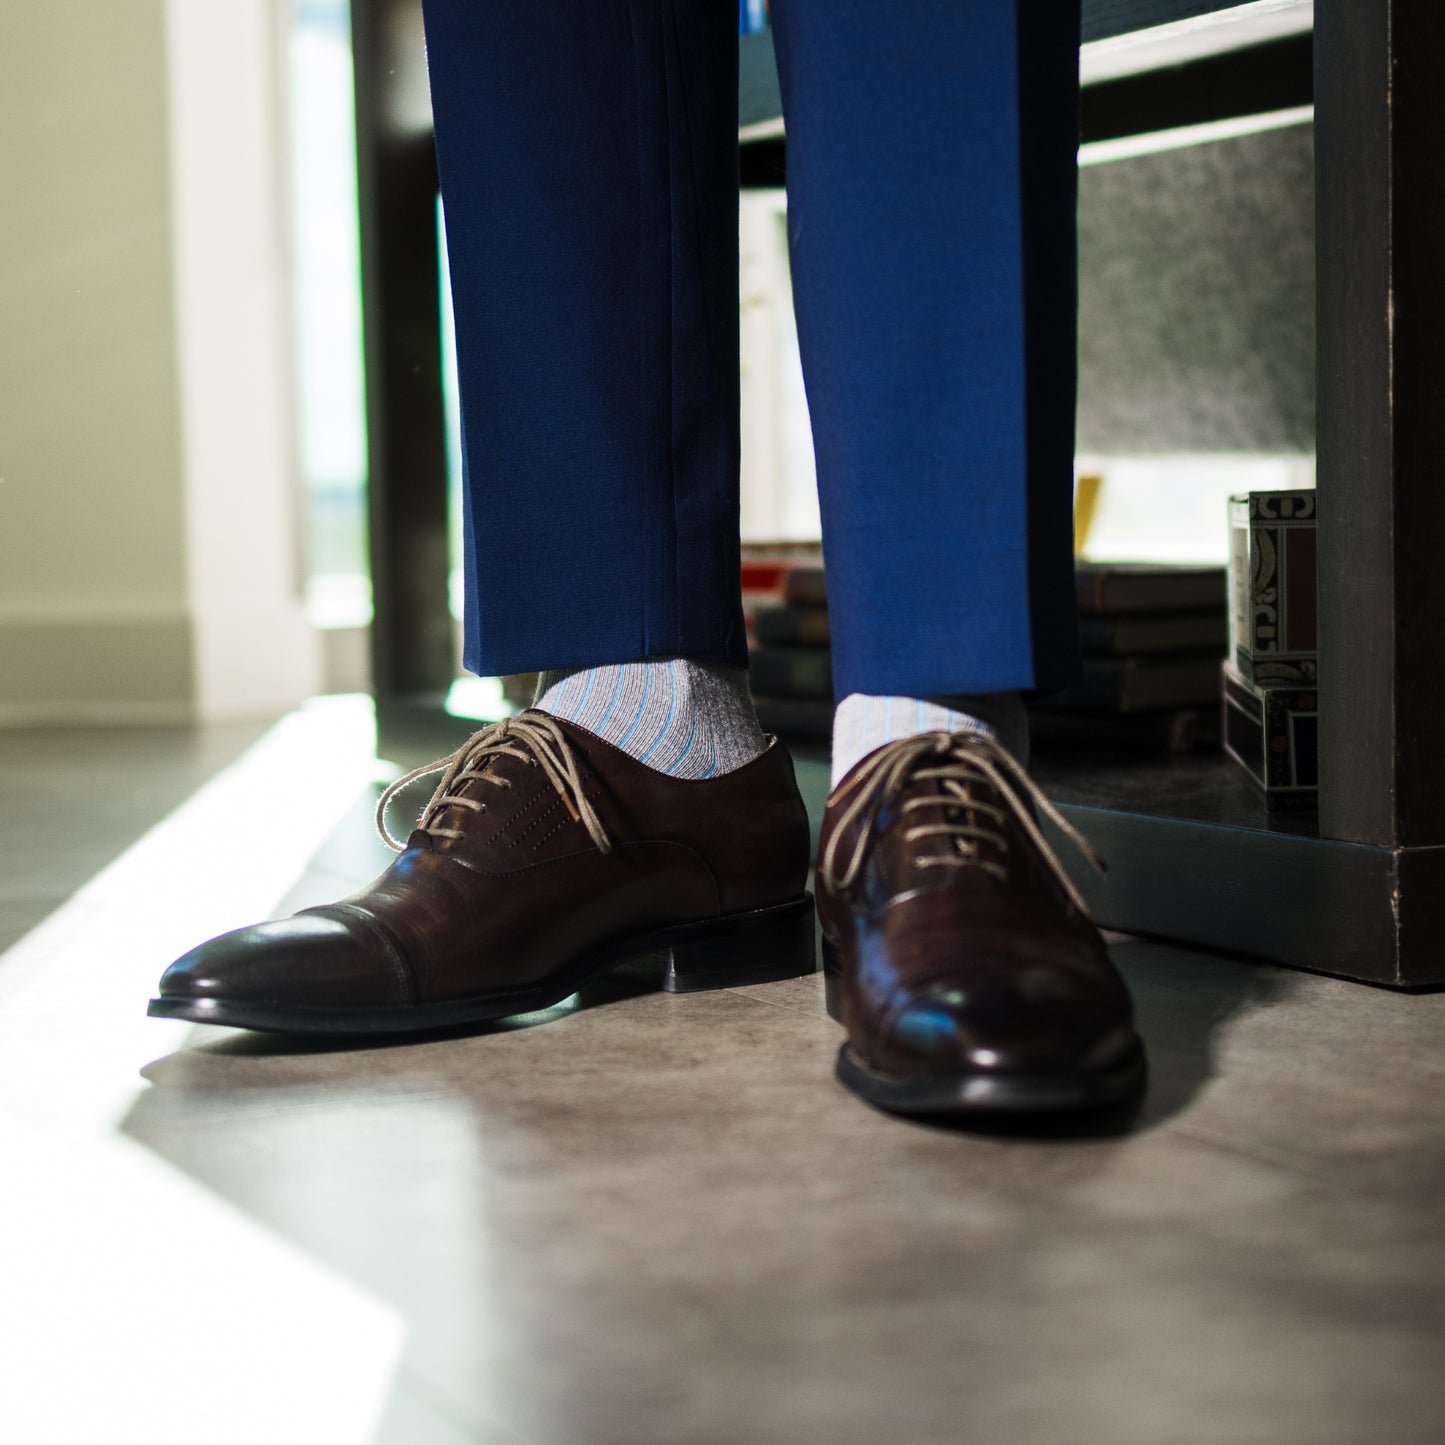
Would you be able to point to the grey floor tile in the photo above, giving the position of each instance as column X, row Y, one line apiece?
column 804, row 994
column 19, row 915
column 353, row 853
column 412, row 1418
column 354, row 850
column 1340, row 1080
column 312, row 889
column 74, row 798
column 642, row 1218
column 654, row 1218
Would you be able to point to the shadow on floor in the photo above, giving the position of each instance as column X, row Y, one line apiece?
column 629, row 981
column 1184, row 999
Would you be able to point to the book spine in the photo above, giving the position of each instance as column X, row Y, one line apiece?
column 791, row 672
column 1154, row 633
column 805, row 585
column 764, row 575
column 1089, row 585
column 1111, row 590
column 1181, row 730
column 804, row 719
column 788, row 625
column 1133, row 684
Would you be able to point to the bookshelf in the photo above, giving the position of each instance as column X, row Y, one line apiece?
column 1359, row 890
column 1122, row 39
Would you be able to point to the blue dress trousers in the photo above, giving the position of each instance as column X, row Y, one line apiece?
column 589, row 167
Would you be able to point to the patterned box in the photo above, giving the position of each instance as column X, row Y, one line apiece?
column 1274, row 616
column 1272, row 732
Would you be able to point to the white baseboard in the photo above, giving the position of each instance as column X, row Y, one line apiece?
column 96, row 669
column 122, row 670
column 254, row 663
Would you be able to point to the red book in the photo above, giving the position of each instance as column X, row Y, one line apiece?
column 765, row 574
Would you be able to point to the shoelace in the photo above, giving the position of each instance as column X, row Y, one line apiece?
column 963, row 759
column 534, row 738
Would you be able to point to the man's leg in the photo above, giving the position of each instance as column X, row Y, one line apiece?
column 588, row 157
column 931, row 220
column 588, row 160
column 931, row 183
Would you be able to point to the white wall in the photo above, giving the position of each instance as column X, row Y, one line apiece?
column 779, row 490
column 253, row 648
column 149, row 512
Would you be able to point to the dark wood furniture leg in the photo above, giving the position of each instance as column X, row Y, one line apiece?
column 1380, row 156
column 412, row 643
column 1361, row 892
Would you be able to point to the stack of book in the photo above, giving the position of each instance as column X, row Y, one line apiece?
column 1153, row 636
column 790, row 665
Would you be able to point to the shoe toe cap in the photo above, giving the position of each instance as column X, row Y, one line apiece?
column 310, row 960
column 1013, row 1021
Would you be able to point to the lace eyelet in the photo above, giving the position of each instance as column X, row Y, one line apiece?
column 555, row 755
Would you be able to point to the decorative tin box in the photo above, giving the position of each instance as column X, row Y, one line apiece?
column 1273, row 624
column 1272, row 732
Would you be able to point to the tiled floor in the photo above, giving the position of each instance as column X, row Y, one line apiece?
column 74, row 798
column 641, row 1218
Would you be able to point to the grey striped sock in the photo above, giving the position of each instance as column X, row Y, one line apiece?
column 686, row 719
column 862, row 723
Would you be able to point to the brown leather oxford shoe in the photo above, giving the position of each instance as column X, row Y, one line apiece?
column 958, row 954
column 545, row 857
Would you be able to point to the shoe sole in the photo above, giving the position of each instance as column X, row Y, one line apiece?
column 760, row 945
column 974, row 1095
column 1119, row 1083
